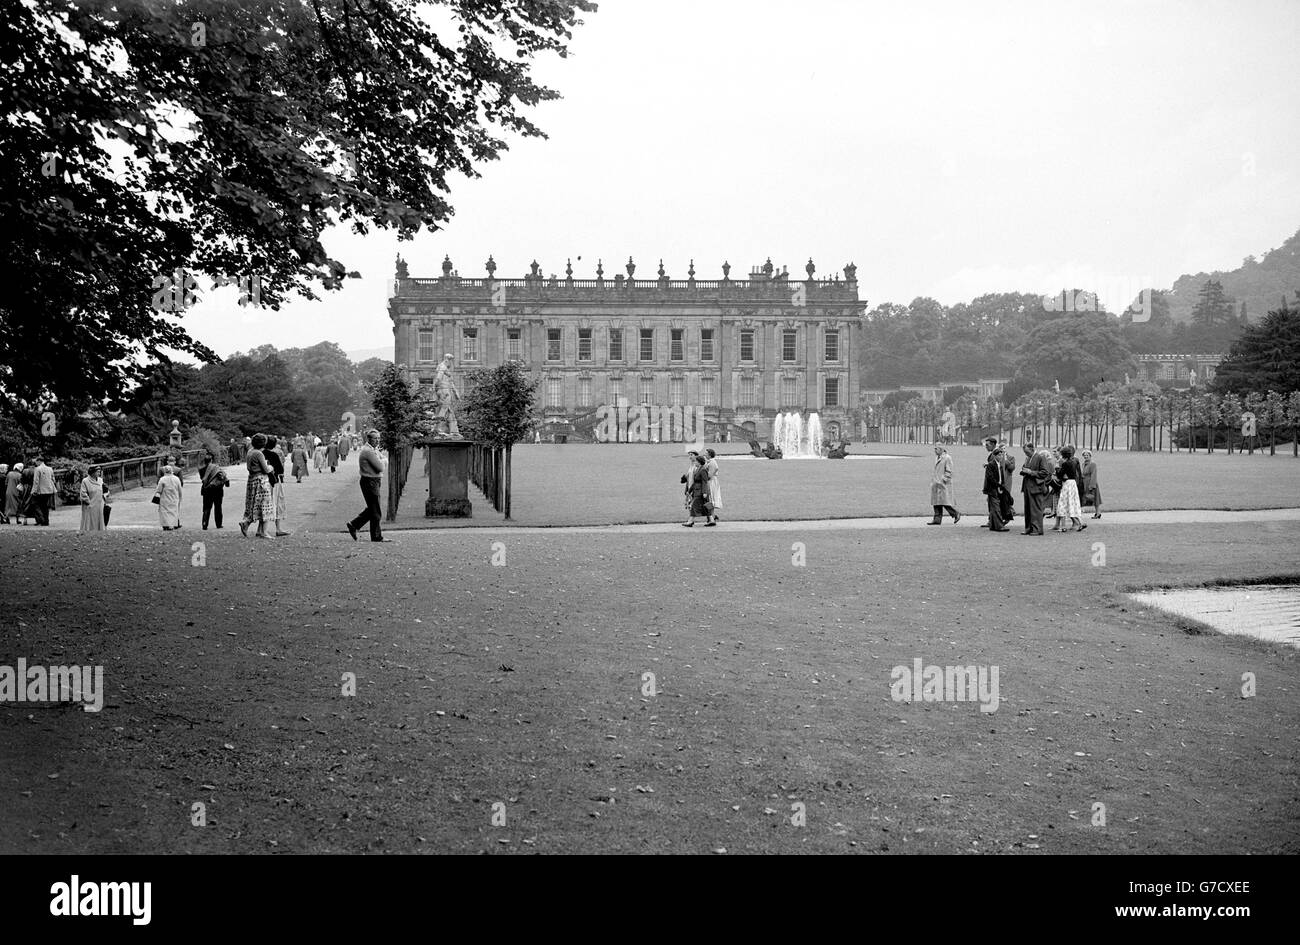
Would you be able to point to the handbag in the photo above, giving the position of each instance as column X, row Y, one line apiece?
column 155, row 500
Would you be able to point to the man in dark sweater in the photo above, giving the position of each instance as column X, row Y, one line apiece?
column 372, row 471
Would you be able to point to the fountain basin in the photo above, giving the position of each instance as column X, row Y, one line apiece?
column 1269, row 612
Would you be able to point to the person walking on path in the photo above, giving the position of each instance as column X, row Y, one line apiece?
column 372, row 471
column 715, row 486
column 4, row 493
column 1008, row 484
column 1034, row 475
column 25, row 500
column 332, row 454
column 259, row 505
column 275, row 459
column 213, row 483
column 319, row 457
column 168, row 499
column 14, row 494
column 1053, row 483
column 1071, row 480
column 993, row 490
column 42, row 491
column 941, row 491
column 299, row 460
column 1091, row 488
column 93, row 492
column 696, row 482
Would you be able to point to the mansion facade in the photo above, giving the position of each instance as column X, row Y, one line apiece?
column 741, row 349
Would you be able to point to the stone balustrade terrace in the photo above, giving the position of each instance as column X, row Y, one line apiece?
column 739, row 291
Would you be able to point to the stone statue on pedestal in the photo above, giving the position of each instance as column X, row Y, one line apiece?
column 444, row 388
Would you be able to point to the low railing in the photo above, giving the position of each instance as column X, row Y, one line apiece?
column 399, row 466
column 489, row 469
column 123, row 474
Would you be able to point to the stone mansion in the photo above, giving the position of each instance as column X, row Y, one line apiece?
column 740, row 349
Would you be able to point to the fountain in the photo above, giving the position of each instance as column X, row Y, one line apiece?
column 794, row 439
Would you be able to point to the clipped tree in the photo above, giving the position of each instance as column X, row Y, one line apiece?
column 1230, row 410
column 497, row 409
column 1275, row 410
column 396, row 411
column 1293, row 417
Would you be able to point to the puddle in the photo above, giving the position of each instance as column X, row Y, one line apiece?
column 1265, row 611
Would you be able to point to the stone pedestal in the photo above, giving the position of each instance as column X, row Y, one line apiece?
column 448, row 464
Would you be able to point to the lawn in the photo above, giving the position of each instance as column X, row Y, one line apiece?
column 524, row 684
column 598, row 484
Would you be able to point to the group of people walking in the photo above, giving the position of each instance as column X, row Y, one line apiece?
column 703, row 492
column 26, row 491
column 311, row 449
column 1054, row 483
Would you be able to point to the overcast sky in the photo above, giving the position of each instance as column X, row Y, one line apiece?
column 948, row 148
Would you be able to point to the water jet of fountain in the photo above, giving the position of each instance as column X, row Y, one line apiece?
column 794, row 439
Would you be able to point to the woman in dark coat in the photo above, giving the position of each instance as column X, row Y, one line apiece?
column 299, row 460
column 1070, row 486
column 697, row 491
column 213, row 482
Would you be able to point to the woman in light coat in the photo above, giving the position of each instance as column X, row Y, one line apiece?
column 93, row 493
column 941, row 491
column 14, row 494
column 1091, row 488
column 168, row 496
column 715, row 485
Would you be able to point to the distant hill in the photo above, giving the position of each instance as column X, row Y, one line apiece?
column 1260, row 283
column 356, row 357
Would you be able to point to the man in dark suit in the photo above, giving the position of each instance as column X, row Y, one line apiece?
column 993, row 490
column 1034, row 475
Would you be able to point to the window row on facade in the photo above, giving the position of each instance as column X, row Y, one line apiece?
column 645, row 340
column 646, row 389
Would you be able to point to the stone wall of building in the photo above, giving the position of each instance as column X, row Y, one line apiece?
column 719, row 344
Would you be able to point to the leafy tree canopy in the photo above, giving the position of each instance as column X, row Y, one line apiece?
column 141, row 137
column 1078, row 350
column 498, row 405
column 396, row 409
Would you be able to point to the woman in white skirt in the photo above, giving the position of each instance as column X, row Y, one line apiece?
column 1070, row 477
